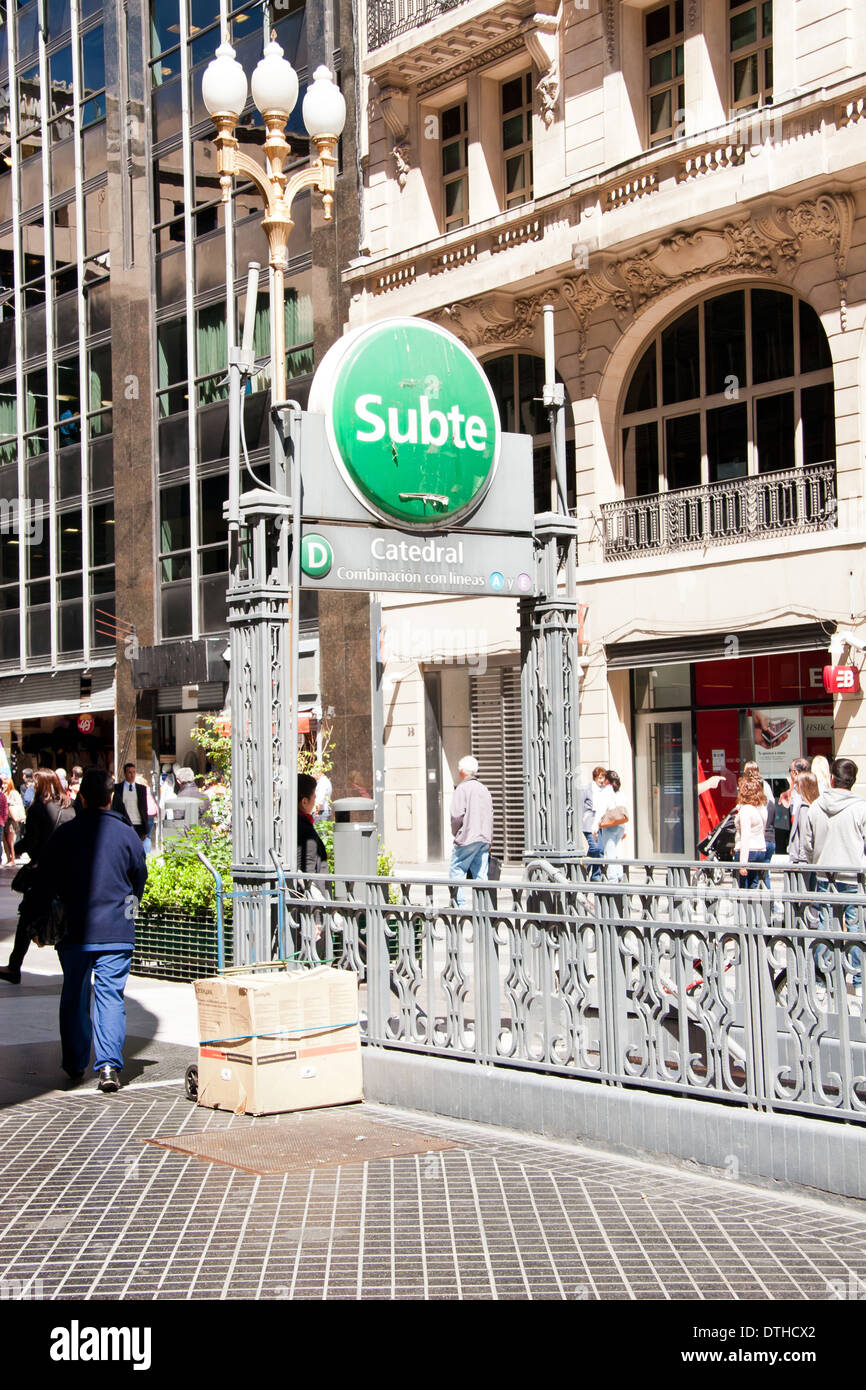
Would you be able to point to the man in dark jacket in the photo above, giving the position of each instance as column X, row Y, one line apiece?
column 129, row 799
column 96, row 866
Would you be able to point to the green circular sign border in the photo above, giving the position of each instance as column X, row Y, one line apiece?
column 349, row 343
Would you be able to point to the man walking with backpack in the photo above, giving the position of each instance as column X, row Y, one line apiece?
column 471, row 826
column 96, row 866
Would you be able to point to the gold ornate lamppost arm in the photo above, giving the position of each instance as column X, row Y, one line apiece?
column 275, row 91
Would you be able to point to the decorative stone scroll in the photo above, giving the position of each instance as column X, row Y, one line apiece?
column 770, row 243
column 394, row 105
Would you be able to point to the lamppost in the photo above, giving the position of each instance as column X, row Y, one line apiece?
column 264, row 523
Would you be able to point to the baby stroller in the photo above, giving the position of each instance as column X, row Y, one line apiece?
column 718, row 849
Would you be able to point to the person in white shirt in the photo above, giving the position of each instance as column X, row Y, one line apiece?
column 130, row 799
column 323, row 806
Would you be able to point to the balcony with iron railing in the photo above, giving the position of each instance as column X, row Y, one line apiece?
column 792, row 501
column 388, row 19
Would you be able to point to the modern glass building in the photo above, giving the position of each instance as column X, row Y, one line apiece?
column 122, row 282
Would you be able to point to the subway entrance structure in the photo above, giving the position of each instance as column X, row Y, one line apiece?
column 397, row 477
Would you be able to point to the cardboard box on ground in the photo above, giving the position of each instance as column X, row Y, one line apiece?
column 278, row 1042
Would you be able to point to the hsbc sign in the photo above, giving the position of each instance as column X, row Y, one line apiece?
column 841, row 680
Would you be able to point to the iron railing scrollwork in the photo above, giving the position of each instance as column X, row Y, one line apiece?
column 388, row 19
column 672, row 978
column 791, row 501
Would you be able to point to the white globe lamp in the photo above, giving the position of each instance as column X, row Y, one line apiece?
column 275, row 82
column 224, row 84
column 324, row 107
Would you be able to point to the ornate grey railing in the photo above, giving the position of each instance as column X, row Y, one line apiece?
column 387, row 19
column 703, row 989
column 795, row 500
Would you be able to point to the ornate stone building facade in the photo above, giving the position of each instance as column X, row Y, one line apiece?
column 684, row 182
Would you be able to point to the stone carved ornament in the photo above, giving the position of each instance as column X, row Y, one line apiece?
column 767, row 244
column 393, row 103
column 541, row 36
column 771, row 243
column 497, row 318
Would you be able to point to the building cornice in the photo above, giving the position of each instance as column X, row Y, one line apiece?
column 589, row 205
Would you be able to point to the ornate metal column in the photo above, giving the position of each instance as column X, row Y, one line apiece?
column 549, row 659
column 549, row 695
column 263, row 765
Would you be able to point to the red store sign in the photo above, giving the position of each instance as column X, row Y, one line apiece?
column 841, row 680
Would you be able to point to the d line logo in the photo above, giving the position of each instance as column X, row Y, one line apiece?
column 412, row 422
column 317, row 556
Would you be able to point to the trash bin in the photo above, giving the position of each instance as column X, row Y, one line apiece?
column 356, row 842
column 179, row 814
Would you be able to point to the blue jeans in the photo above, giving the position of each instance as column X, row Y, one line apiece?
column 594, row 851
column 754, row 876
column 823, row 956
column 107, row 1031
column 471, row 859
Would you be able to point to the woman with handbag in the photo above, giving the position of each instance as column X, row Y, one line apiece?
column 49, row 808
column 612, row 829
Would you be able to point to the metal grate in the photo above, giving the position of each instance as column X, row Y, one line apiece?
column 306, row 1140
column 496, row 743
column 177, row 946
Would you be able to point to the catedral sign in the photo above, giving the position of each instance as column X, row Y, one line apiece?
column 421, row 490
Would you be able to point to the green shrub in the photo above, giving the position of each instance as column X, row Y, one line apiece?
column 177, row 879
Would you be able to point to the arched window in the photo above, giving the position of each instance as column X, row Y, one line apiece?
column 517, row 379
column 738, row 385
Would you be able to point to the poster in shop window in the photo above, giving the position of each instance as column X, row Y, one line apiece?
column 777, row 737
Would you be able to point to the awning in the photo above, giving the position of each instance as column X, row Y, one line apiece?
column 52, row 697
column 714, row 646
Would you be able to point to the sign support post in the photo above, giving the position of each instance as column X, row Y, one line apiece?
column 549, row 659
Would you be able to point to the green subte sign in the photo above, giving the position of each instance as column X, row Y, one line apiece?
column 412, row 422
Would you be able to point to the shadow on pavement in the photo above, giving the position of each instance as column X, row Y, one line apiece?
column 29, row 1034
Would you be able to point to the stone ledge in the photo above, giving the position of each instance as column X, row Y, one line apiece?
column 797, row 1150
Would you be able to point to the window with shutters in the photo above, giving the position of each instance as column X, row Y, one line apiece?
column 494, row 712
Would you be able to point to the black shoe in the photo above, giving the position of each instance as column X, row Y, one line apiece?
column 109, row 1080
column 74, row 1076
column 10, row 976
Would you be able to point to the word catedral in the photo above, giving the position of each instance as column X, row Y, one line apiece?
column 77, row 1343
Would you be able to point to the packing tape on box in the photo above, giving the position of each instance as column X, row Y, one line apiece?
column 278, row 1033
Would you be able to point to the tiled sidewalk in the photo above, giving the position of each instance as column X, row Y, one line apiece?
column 89, row 1211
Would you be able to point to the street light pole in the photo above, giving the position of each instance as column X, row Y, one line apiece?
column 550, row 669
column 264, row 523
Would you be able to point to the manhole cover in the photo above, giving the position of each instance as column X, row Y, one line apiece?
column 309, row 1139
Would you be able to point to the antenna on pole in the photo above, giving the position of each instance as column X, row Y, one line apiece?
column 241, row 362
column 250, row 310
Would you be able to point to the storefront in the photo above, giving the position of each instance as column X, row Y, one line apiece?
column 696, row 723
column 58, row 721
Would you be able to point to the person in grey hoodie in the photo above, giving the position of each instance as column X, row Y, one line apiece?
column 838, row 822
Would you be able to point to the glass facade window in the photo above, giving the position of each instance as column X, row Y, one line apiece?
column 516, row 107
column 739, row 385
column 516, row 379
column 455, row 166
column 171, row 366
column 666, row 92
column 750, row 28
